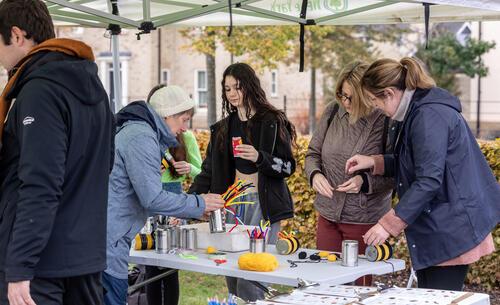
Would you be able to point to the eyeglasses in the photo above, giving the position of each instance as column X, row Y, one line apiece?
column 343, row 98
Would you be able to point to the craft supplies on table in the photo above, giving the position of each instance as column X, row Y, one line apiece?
column 351, row 295
column 321, row 272
column 234, row 241
column 349, row 253
column 287, row 243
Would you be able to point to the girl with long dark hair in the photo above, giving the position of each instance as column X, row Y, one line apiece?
column 264, row 158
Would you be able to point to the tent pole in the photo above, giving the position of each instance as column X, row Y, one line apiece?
column 117, row 84
column 115, row 30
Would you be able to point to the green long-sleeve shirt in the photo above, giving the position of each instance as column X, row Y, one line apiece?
column 193, row 157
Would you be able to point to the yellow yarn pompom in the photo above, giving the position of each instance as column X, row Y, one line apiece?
column 263, row 262
column 323, row 254
column 332, row 257
column 211, row 250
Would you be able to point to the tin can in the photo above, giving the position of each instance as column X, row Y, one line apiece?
column 235, row 142
column 217, row 221
column 189, row 239
column 174, row 237
column 379, row 253
column 285, row 246
column 257, row 245
column 349, row 253
column 162, row 241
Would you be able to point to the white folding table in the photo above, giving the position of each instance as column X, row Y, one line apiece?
column 332, row 273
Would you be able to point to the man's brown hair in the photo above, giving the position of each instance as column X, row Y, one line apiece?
column 31, row 16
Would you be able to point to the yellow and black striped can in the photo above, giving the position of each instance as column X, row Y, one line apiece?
column 144, row 242
column 288, row 245
column 379, row 253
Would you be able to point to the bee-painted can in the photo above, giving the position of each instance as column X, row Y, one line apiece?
column 144, row 242
column 289, row 245
column 379, row 253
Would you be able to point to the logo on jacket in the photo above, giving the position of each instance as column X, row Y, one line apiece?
column 28, row 120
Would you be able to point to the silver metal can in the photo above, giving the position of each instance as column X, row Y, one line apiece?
column 189, row 239
column 217, row 221
column 257, row 245
column 162, row 241
column 174, row 237
column 350, row 253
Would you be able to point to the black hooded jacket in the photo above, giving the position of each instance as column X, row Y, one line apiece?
column 54, row 169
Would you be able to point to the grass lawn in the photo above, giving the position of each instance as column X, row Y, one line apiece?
column 197, row 287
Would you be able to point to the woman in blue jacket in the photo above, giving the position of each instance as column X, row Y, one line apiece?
column 448, row 196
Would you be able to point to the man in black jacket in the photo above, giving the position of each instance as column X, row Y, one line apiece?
column 57, row 134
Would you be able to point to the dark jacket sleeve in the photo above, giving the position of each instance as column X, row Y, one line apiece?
column 202, row 182
column 376, row 183
column 281, row 163
column 43, row 141
column 428, row 134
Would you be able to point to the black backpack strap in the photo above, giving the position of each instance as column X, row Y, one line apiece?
column 332, row 115
column 384, row 134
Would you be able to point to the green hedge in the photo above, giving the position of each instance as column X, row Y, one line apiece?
column 485, row 272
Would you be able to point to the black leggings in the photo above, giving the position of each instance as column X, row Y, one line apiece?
column 169, row 285
column 444, row 278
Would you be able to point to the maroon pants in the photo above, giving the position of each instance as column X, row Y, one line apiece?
column 331, row 234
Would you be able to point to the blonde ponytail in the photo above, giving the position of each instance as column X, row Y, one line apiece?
column 416, row 76
column 386, row 72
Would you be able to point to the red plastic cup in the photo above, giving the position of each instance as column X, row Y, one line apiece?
column 236, row 141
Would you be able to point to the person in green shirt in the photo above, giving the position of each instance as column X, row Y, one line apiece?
column 182, row 161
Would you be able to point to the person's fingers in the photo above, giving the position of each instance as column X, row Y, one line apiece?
column 327, row 189
column 27, row 299
column 350, row 163
column 346, row 187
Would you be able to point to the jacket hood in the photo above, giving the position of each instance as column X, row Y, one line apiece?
column 436, row 96
column 78, row 76
column 140, row 111
column 61, row 46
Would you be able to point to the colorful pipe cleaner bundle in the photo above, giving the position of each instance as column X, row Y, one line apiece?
column 261, row 231
column 235, row 191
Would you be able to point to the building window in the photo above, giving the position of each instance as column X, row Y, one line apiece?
column 201, row 88
column 165, row 76
column 274, row 83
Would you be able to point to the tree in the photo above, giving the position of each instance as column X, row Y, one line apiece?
column 330, row 48
column 445, row 57
column 265, row 46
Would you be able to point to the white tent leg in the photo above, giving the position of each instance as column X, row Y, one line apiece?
column 413, row 278
column 117, row 84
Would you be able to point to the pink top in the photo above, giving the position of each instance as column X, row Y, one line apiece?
column 395, row 225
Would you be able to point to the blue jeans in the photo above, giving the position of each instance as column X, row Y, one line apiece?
column 116, row 290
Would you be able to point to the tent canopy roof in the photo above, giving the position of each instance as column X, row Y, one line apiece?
column 132, row 13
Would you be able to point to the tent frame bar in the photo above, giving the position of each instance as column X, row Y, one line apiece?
column 112, row 18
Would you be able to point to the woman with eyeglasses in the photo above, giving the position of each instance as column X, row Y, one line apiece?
column 448, row 196
column 348, row 205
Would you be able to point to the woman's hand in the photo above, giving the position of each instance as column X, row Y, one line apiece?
column 376, row 235
column 352, row 185
column 359, row 162
column 322, row 186
column 247, row 152
column 182, row 167
column 172, row 221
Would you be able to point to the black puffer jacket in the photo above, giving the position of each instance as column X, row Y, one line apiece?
column 275, row 163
